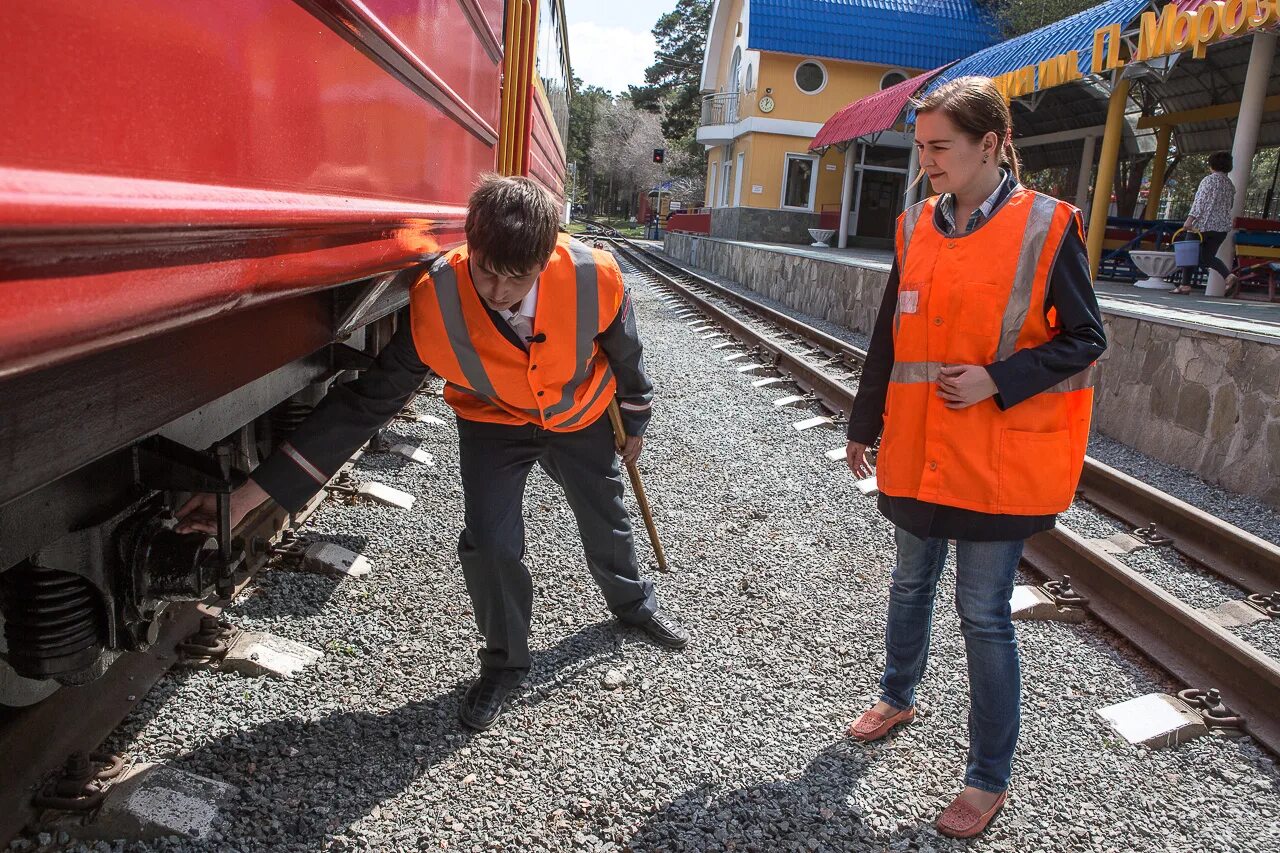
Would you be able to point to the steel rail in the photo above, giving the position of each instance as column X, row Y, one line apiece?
column 1176, row 637
column 1234, row 554
column 837, row 397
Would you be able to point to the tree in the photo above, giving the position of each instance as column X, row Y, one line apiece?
column 622, row 154
column 1018, row 17
column 675, row 76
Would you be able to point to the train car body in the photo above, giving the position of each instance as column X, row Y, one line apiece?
column 208, row 212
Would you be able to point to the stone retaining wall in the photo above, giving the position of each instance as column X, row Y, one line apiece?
column 1205, row 402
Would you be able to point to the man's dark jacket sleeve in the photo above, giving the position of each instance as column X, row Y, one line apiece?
column 347, row 417
column 621, row 345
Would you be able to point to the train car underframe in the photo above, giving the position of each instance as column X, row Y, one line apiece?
column 88, row 557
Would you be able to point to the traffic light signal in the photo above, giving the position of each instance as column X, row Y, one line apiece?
column 659, row 154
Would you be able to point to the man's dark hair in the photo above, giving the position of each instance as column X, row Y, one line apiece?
column 1220, row 161
column 513, row 222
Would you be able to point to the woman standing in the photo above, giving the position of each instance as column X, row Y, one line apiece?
column 1211, row 215
column 979, row 376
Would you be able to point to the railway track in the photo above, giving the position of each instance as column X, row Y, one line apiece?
column 1177, row 637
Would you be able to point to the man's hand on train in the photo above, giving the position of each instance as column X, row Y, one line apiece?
column 630, row 451
column 200, row 514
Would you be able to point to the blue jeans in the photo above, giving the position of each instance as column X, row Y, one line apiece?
column 984, row 584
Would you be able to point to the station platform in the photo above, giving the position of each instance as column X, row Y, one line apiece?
column 1190, row 380
column 1257, row 320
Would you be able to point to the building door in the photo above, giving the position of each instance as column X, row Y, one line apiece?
column 880, row 202
column 726, row 182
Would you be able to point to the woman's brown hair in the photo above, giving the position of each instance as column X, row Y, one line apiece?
column 975, row 105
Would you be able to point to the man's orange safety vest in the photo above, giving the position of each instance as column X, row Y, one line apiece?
column 975, row 299
column 562, row 382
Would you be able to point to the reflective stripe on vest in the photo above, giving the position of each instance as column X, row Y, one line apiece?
column 588, row 309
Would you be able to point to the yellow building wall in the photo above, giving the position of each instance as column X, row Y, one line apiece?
column 766, row 152
column 846, row 82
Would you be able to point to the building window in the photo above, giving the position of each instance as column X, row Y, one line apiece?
column 893, row 78
column 811, row 77
column 751, row 78
column 799, row 181
column 734, row 67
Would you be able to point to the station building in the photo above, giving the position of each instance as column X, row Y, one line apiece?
column 775, row 70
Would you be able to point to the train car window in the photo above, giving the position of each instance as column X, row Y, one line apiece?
column 552, row 65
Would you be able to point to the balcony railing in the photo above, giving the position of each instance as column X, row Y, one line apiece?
column 721, row 108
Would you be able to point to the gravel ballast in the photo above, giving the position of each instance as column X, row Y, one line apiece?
column 780, row 572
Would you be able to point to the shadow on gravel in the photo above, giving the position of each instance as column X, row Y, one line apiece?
column 295, row 591
column 808, row 813
column 304, row 781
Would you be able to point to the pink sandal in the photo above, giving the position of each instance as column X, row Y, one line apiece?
column 961, row 820
column 872, row 726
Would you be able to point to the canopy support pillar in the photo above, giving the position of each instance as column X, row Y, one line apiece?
column 1111, row 138
column 846, row 193
column 1261, row 56
column 1086, row 171
column 1156, row 188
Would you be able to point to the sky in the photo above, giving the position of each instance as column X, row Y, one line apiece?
column 610, row 43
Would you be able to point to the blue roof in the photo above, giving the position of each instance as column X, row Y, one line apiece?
column 909, row 33
column 1074, row 33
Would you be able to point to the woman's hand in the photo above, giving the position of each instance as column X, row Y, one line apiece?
column 200, row 514
column 962, row 385
column 855, row 456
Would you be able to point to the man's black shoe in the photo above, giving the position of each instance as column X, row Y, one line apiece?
column 482, row 705
column 664, row 630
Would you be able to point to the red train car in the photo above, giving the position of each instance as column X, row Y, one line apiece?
column 208, row 212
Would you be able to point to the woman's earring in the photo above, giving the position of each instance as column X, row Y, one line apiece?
column 985, row 158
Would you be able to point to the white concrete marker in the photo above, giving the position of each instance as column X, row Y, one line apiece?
column 1154, row 720
column 1236, row 614
column 328, row 557
column 767, row 381
column 385, row 494
column 735, row 356
column 1033, row 604
column 710, row 335
column 868, row 486
column 836, row 454
column 151, row 801
column 791, row 400
column 413, row 454
column 723, row 345
column 747, row 368
column 255, row 653
column 810, row 423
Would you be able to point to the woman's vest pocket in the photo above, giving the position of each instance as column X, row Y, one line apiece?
column 1037, row 472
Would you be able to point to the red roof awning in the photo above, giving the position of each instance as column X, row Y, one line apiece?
column 872, row 114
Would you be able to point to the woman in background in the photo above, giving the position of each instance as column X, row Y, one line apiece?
column 1211, row 215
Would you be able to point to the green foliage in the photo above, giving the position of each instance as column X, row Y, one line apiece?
column 673, row 79
column 1017, row 17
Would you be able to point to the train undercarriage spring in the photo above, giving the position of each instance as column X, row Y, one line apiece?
column 53, row 621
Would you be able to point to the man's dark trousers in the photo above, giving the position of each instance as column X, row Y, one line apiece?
column 495, row 462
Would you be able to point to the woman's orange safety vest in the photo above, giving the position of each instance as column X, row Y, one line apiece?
column 976, row 299
column 562, row 383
